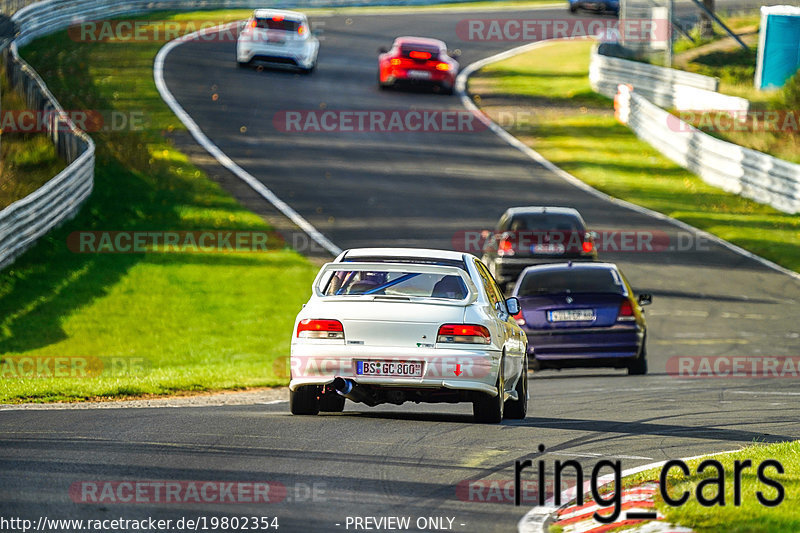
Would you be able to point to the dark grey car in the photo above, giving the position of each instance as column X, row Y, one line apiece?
column 535, row 235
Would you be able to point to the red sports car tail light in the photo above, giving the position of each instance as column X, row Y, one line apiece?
column 320, row 329
column 442, row 66
column 414, row 54
column 464, row 333
column 395, row 61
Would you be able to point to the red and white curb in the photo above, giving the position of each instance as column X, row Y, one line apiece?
column 540, row 518
column 636, row 502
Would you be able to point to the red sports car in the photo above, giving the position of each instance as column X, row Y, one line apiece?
column 417, row 61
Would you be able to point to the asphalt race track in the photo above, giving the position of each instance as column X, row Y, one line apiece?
column 418, row 189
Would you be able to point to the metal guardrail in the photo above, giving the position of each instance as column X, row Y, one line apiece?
column 24, row 221
column 651, row 81
column 731, row 167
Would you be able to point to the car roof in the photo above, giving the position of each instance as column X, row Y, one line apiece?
column 264, row 13
column 422, row 253
column 539, row 209
column 420, row 40
column 572, row 265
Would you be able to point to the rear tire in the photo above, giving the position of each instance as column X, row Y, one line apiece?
column 517, row 410
column 304, row 400
column 489, row 409
column 331, row 403
column 639, row 365
column 573, row 9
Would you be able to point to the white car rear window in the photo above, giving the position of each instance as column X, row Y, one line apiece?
column 347, row 283
column 277, row 24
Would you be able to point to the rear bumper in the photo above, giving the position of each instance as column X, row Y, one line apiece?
column 303, row 55
column 400, row 77
column 315, row 364
column 585, row 344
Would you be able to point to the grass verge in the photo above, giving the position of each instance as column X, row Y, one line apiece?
column 547, row 91
column 27, row 158
column 721, row 57
column 185, row 321
column 751, row 515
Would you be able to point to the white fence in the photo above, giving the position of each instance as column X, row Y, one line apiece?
column 738, row 170
column 666, row 87
column 24, row 221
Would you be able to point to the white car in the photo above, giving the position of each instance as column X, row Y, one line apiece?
column 391, row 325
column 277, row 36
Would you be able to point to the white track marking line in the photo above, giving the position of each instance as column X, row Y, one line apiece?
column 219, row 155
column 758, row 393
column 461, row 90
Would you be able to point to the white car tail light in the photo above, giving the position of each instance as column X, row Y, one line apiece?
column 464, row 333
column 320, row 329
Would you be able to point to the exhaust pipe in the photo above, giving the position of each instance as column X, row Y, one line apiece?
column 350, row 390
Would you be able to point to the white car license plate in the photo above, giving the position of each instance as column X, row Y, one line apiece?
column 276, row 38
column 419, row 74
column 570, row 315
column 395, row 369
column 547, row 248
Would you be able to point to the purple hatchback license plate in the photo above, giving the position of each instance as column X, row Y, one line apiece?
column 570, row 315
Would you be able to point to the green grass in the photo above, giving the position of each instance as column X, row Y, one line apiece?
column 723, row 58
column 751, row 516
column 199, row 321
column 576, row 130
column 740, row 23
column 27, row 159
column 240, row 14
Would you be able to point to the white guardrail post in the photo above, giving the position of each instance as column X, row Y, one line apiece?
column 638, row 91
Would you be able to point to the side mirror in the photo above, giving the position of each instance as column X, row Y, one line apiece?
column 383, row 50
column 593, row 235
column 455, row 54
column 645, row 299
column 512, row 304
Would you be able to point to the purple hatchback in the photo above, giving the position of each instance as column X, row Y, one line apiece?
column 581, row 315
